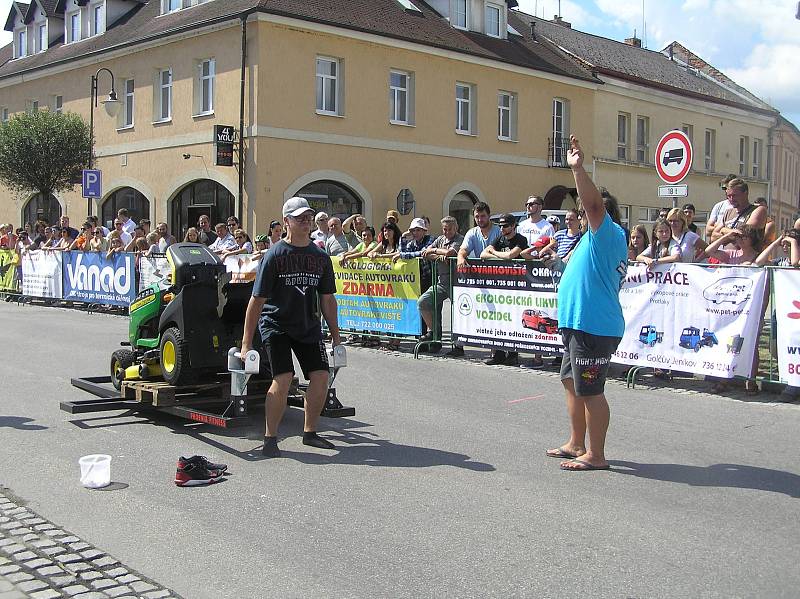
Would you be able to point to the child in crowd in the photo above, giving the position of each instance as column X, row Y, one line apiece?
column 638, row 243
column 663, row 248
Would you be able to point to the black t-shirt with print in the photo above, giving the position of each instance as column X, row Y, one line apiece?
column 503, row 244
column 289, row 278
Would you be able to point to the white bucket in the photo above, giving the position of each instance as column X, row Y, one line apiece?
column 95, row 470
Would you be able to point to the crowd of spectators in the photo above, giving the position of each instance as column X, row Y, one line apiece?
column 737, row 232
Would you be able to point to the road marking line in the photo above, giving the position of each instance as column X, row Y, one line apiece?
column 513, row 401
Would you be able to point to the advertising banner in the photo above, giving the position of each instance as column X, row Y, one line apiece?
column 152, row 269
column 501, row 304
column 692, row 318
column 8, row 270
column 787, row 315
column 91, row 277
column 242, row 267
column 378, row 295
column 41, row 274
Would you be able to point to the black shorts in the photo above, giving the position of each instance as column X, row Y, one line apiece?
column 279, row 348
column 586, row 359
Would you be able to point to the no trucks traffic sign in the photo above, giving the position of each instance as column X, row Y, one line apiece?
column 673, row 157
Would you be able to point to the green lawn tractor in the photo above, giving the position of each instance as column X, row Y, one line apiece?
column 183, row 326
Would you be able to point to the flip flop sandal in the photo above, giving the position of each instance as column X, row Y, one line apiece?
column 560, row 453
column 584, row 466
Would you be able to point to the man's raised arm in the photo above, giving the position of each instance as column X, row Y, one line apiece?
column 587, row 192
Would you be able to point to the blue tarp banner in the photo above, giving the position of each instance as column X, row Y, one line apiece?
column 91, row 277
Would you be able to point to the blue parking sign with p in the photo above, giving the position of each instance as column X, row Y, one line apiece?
column 92, row 183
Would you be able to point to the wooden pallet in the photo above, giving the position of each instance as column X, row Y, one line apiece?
column 159, row 393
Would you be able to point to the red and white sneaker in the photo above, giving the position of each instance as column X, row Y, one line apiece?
column 194, row 473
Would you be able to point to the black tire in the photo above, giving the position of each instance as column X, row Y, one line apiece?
column 542, row 328
column 120, row 360
column 174, row 358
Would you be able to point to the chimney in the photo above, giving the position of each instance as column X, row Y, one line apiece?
column 560, row 21
column 533, row 30
column 671, row 49
column 633, row 41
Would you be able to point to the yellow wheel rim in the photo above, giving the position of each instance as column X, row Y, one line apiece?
column 168, row 356
column 115, row 367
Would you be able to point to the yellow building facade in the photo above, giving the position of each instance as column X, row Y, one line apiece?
column 349, row 116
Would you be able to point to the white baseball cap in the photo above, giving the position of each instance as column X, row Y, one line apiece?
column 418, row 223
column 296, row 206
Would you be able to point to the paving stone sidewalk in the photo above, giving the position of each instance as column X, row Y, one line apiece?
column 42, row 561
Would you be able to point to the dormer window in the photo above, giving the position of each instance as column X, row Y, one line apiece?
column 98, row 19
column 493, row 18
column 460, row 12
column 172, row 5
column 73, row 27
column 41, row 37
column 22, row 43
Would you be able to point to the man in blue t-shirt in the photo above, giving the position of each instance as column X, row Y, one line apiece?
column 590, row 320
column 294, row 283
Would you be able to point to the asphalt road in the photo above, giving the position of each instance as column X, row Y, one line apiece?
column 440, row 488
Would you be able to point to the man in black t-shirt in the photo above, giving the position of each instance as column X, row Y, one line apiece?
column 293, row 285
column 507, row 247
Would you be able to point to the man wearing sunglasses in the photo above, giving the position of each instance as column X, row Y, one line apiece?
column 294, row 283
column 535, row 226
column 506, row 247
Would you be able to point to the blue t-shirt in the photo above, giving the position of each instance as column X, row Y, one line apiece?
column 588, row 294
column 475, row 243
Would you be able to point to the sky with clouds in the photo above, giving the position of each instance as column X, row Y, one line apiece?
column 755, row 42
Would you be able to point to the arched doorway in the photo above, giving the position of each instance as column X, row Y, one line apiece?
column 126, row 197
column 41, row 208
column 333, row 198
column 560, row 198
column 200, row 197
column 461, row 209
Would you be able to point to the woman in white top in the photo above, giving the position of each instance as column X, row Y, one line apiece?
column 663, row 248
column 689, row 243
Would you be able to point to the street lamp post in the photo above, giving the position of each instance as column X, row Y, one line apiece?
column 112, row 108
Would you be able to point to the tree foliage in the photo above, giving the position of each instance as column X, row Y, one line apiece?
column 43, row 151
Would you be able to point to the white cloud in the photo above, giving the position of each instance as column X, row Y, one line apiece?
column 770, row 72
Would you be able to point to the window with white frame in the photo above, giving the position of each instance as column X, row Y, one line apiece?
column 22, row 43
column 128, row 106
column 708, row 150
column 464, row 108
column 648, row 215
column 401, row 97
column 756, row 172
column 625, row 216
column 164, row 95
column 73, row 27
column 744, row 146
column 328, row 86
column 506, row 116
column 4, row 114
column 57, row 104
column 642, row 138
column 171, row 5
column 204, row 86
column 41, row 37
column 98, row 19
column 689, row 131
column 460, row 12
column 560, row 128
column 623, row 134
column 492, row 19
